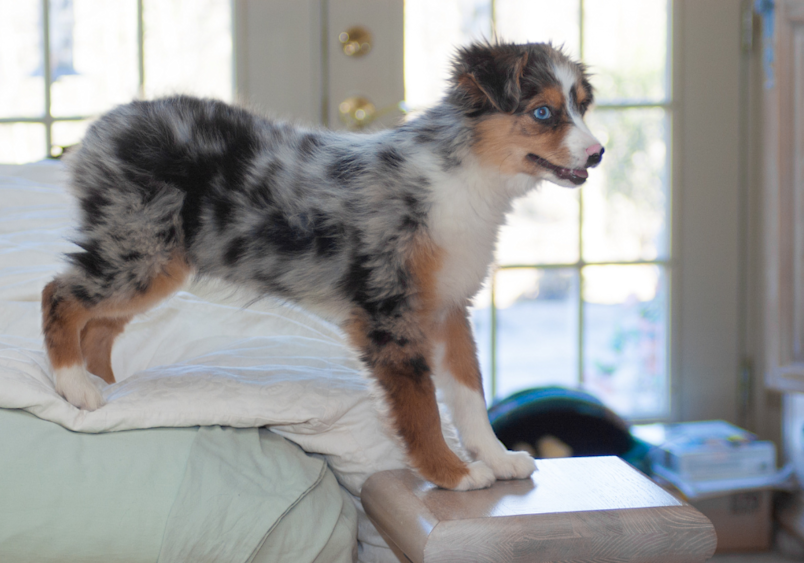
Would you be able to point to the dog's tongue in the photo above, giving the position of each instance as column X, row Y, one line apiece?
column 568, row 172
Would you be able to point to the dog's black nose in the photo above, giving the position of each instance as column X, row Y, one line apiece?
column 595, row 158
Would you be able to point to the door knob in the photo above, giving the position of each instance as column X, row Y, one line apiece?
column 356, row 112
column 356, row 41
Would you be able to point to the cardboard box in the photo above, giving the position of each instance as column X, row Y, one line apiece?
column 724, row 472
column 742, row 519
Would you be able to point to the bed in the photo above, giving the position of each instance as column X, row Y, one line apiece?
column 233, row 433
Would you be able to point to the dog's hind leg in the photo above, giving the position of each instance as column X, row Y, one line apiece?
column 96, row 344
column 68, row 312
column 458, row 377
column 63, row 319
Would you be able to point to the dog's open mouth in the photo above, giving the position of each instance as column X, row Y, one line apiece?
column 575, row 175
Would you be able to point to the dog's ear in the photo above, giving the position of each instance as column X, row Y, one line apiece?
column 488, row 76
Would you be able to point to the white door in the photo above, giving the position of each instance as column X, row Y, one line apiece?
column 292, row 61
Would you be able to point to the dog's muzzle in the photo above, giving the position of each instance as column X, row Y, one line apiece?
column 575, row 175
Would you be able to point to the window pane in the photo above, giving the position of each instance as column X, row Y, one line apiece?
column 22, row 142
column 67, row 134
column 625, row 338
column 543, row 228
column 625, row 201
column 481, row 324
column 432, row 32
column 540, row 21
column 22, row 84
column 188, row 48
column 93, row 55
column 625, row 45
column 537, row 328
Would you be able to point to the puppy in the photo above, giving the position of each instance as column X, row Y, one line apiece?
column 391, row 233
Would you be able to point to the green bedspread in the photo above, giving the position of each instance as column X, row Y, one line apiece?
column 166, row 495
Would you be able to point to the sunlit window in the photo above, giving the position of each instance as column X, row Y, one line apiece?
column 63, row 62
column 580, row 294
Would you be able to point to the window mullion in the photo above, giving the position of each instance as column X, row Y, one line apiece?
column 493, row 332
column 140, row 50
column 579, row 266
column 579, row 293
column 582, row 263
column 48, row 119
column 580, row 28
column 634, row 105
column 495, row 267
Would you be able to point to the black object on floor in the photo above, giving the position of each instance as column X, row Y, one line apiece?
column 574, row 417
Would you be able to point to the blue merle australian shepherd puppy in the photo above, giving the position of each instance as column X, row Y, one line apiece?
column 390, row 233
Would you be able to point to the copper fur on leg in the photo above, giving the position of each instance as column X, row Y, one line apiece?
column 96, row 345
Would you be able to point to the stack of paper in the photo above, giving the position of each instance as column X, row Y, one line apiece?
column 712, row 457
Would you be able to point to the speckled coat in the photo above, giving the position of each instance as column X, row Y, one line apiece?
column 390, row 234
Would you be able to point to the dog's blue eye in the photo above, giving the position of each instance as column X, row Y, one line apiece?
column 542, row 113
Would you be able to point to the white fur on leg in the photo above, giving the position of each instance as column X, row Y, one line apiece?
column 74, row 384
column 468, row 409
column 480, row 477
column 511, row 465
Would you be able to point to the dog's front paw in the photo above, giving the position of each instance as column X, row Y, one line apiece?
column 512, row 465
column 480, row 476
column 74, row 384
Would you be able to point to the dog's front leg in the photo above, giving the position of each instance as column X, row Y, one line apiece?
column 401, row 366
column 458, row 377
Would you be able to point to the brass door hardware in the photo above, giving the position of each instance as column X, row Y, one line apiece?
column 356, row 41
column 356, row 112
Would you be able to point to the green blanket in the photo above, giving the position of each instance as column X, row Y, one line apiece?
column 165, row 495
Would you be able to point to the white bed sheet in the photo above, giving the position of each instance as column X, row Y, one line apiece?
column 191, row 361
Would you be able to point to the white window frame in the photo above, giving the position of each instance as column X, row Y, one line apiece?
column 48, row 119
column 666, row 263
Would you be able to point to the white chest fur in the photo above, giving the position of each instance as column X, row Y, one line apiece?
column 468, row 210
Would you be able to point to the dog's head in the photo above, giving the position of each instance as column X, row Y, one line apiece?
column 527, row 104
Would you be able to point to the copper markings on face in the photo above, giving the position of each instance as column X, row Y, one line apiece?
column 503, row 141
column 551, row 96
column 581, row 95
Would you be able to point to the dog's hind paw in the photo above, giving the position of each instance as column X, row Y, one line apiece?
column 74, row 384
column 480, row 476
column 512, row 465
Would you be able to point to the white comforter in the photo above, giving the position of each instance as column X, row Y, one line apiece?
column 192, row 361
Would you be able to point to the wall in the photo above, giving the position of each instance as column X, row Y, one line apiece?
column 707, row 207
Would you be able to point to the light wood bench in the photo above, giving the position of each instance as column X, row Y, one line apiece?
column 571, row 510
